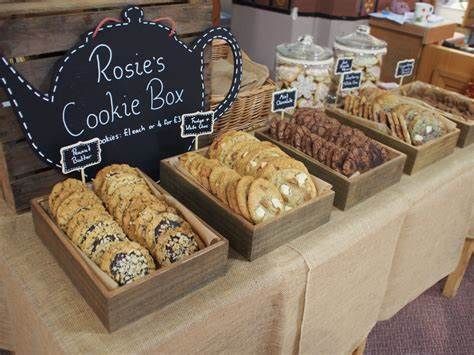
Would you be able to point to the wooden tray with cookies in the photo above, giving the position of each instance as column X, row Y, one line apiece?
column 403, row 123
column 127, row 245
column 250, row 191
column 458, row 108
column 356, row 166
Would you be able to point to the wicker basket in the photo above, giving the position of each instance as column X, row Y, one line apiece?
column 250, row 109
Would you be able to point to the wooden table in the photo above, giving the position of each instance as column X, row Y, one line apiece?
column 406, row 41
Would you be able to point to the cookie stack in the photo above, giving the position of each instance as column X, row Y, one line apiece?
column 406, row 120
column 81, row 215
column 256, row 180
column 145, row 217
column 456, row 104
column 342, row 148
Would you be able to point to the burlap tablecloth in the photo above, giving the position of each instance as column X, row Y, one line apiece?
column 321, row 293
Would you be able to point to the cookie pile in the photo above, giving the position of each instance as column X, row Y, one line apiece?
column 146, row 218
column 456, row 104
column 342, row 148
column 256, row 180
column 409, row 122
column 81, row 215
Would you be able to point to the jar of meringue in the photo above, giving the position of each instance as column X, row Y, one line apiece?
column 367, row 53
column 306, row 67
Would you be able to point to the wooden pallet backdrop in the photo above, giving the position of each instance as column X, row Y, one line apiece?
column 34, row 35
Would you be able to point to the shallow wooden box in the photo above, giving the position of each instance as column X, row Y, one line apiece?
column 417, row 157
column 248, row 239
column 466, row 136
column 349, row 191
column 119, row 306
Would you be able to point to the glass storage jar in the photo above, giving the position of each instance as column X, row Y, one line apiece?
column 367, row 53
column 306, row 67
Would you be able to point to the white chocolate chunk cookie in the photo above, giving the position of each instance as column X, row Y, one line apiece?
column 264, row 200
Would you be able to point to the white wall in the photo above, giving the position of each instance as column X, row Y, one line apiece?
column 260, row 31
column 226, row 5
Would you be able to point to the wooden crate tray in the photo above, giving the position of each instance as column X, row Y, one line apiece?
column 246, row 238
column 34, row 36
column 349, row 191
column 466, row 136
column 118, row 306
column 418, row 157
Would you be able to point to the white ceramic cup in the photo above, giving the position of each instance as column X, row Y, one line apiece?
column 422, row 11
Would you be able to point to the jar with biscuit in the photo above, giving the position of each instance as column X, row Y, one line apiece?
column 367, row 53
column 306, row 67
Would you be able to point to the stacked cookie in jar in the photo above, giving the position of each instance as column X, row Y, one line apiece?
column 305, row 67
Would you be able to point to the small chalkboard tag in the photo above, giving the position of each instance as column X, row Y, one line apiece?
column 351, row 80
column 197, row 124
column 404, row 68
column 80, row 155
column 284, row 99
column 343, row 65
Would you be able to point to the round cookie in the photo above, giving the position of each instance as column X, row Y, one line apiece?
column 215, row 176
column 126, row 261
column 242, row 193
column 95, row 244
column 295, row 186
column 75, row 203
column 111, row 170
column 123, row 194
column 231, row 192
column 91, row 226
column 139, row 225
column 112, row 183
column 206, row 170
column 280, row 163
column 80, row 218
column 243, row 162
column 241, row 151
column 63, row 190
column 264, row 201
column 160, row 224
column 224, row 180
column 258, row 159
column 137, row 206
column 174, row 245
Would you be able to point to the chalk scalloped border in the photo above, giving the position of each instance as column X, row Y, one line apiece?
column 206, row 38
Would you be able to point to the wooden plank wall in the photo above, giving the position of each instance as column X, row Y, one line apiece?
column 34, row 35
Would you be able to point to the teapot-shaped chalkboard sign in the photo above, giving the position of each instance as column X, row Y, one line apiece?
column 128, row 84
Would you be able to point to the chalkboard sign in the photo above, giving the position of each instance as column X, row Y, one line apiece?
column 404, row 68
column 343, row 65
column 128, row 84
column 351, row 80
column 284, row 99
column 80, row 155
column 196, row 124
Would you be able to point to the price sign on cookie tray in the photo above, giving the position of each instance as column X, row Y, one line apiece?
column 404, row 68
column 80, row 156
column 343, row 65
column 197, row 124
column 284, row 99
column 351, row 80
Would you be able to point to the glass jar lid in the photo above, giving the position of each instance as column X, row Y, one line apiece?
column 361, row 41
column 304, row 50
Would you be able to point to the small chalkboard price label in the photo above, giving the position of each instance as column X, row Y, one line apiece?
column 197, row 123
column 351, row 80
column 343, row 65
column 80, row 155
column 404, row 68
column 284, row 99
